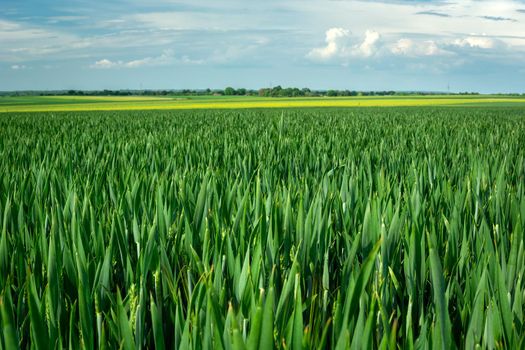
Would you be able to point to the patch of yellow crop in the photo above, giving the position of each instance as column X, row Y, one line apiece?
column 107, row 98
column 161, row 103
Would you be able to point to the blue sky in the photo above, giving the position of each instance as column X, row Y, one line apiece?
column 471, row 45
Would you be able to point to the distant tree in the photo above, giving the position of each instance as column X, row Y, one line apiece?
column 229, row 91
column 287, row 92
column 241, row 91
column 276, row 91
column 296, row 92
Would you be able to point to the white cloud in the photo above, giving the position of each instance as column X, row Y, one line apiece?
column 413, row 48
column 18, row 67
column 105, row 63
column 403, row 47
column 480, row 42
column 368, row 47
column 187, row 60
column 339, row 44
column 336, row 44
column 165, row 58
column 445, row 46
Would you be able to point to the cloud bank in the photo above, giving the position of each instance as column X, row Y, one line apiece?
column 342, row 47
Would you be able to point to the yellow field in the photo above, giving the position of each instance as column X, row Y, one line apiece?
column 97, row 103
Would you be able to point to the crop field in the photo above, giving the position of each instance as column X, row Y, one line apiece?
column 115, row 103
column 288, row 228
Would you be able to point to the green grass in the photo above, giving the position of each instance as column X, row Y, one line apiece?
column 106, row 103
column 256, row 229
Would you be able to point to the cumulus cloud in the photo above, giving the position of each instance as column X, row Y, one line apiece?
column 336, row 40
column 167, row 57
column 341, row 44
column 342, row 47
column 412, row 48
column 368, row 46
column 420, row 48
column 480, row 42
column 105, row 63
column 469, row 44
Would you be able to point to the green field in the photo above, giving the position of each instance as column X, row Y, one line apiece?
column 363, row 228
column 102, row 103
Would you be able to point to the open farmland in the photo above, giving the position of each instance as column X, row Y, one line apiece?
column 127, row 103
column 265, row 228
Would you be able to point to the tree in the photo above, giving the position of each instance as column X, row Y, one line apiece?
column 229, row 91
column 276, row 91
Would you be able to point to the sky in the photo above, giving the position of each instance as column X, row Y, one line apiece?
column 423, row 45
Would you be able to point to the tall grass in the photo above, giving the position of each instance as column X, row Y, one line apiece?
column 364, row 228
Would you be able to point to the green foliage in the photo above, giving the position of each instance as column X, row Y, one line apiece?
column 257, row 229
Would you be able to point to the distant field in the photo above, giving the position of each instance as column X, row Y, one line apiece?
column 99, row 103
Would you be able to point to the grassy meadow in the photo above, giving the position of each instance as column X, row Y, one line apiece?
column 287, row 228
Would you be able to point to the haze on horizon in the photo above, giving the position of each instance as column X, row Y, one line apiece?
column 358, row 45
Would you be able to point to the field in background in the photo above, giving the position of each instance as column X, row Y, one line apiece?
column 95, row 103
column 363, row 228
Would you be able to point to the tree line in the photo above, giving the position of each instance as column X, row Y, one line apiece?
column 276, row 91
